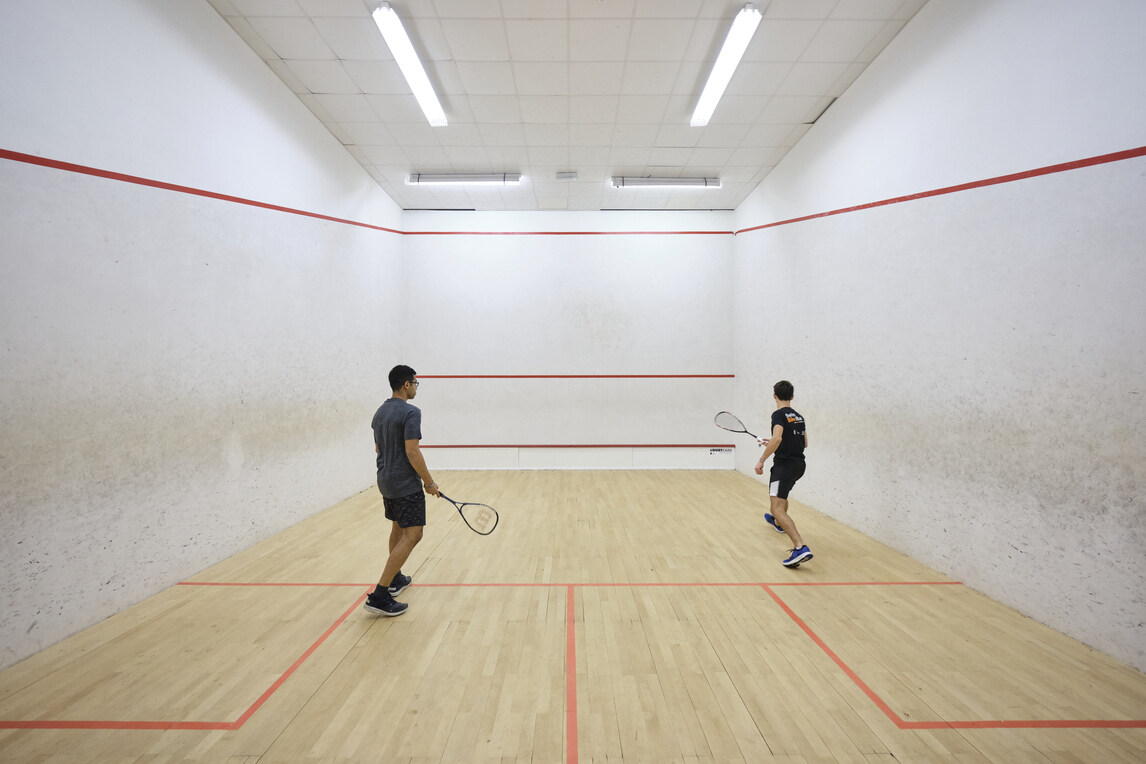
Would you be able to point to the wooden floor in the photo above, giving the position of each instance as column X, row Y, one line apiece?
column 612, row 616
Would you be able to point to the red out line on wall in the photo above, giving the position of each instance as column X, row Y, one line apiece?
column 1117, row 156
column 17, row 156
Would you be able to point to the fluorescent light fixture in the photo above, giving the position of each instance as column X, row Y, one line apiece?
column 630, row 182
column 403, row 51
column 472, row 179
column 743, row 27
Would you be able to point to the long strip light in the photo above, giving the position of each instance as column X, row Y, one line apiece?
column 743, row 27
column 636, row 182
column 460, row 179
column 403, row 51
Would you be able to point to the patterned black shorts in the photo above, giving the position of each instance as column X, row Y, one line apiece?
column 407, row 511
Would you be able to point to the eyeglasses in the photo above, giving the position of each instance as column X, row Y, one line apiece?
column 415, row 382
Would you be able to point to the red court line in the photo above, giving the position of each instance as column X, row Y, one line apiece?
column 578, row 445
column 938, row 725
column 567, row 233
column 570, row 677
column 1117, row 156
column 576, row 376
column 80, row 169
column 174, row 725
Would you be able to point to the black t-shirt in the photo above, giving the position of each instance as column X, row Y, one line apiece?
column 395, row 422
column 792, row 443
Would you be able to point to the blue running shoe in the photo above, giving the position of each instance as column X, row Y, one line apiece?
column 772, row 521
column 803, row 554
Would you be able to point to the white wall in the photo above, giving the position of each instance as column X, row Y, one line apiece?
column 971, row 364
column 182, row 375
column 554, row 296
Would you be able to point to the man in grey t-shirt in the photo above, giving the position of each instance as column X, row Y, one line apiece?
column 402, row 476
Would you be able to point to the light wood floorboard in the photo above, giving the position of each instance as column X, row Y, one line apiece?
column 691, row 643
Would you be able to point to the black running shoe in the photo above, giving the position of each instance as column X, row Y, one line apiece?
column 400, row 584
column 387, row 607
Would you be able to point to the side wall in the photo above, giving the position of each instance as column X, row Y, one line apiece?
column 182, row 375
column 971, row 363
column 572, row 340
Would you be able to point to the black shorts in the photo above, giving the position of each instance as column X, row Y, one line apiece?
column 783, row 476
column 407, row 511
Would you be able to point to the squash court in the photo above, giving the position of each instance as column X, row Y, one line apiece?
column 612, row 616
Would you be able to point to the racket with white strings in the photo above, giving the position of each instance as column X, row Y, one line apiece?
column 727, row 421
column 481, row 518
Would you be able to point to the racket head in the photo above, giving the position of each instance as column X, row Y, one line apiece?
column 481, row 518
column 726, row 420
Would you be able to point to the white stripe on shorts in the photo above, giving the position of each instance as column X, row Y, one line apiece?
column 774, row 488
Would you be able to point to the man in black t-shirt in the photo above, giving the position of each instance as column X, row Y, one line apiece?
column 786, row 445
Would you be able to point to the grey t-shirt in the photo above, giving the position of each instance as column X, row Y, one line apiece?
column 395, row 422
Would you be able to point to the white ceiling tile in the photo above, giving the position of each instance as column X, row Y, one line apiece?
column 593, row 109
column 268, row 7
column 287, row 76
column 880, row 41
column 649, row 77
column 292, row 38
column 346, row 107
column 596, row 9
column 601, row 87
column 718, row 135
column 383, row 155
column 809, row 78
column 466, row 9
column 865, row 9
column 641, row 108
column 396, row 108
column 677, row 9
column 544, row 109
column 546, row 135
column 781, row 40
column 758, row 78
column 596, row 78
column 799, row 9
column 682, row 135
column 459, row 135
column 367, row 133
column 591, row 135
column 635, row 135
column 674, row 157
column 323, row 76
column 537, row 40
column 598, row 40
column 502, row 135
column 383, row 77
column 476, row 39
column 318, row 8
column 493, row 109
column 842, row 40
column 487, row 77
column 658, row 40
column 411, row 134
column 351, row 39
column 541, row 78
column 243, row 28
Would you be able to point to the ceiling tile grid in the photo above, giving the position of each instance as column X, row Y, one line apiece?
column 596, row 87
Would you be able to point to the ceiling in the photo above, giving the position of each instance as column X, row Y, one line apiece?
column 595, row 87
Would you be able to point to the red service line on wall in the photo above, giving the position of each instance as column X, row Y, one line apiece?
column 576, row 376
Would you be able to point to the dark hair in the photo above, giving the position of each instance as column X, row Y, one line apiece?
column 784, row 390
column 400, row 375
